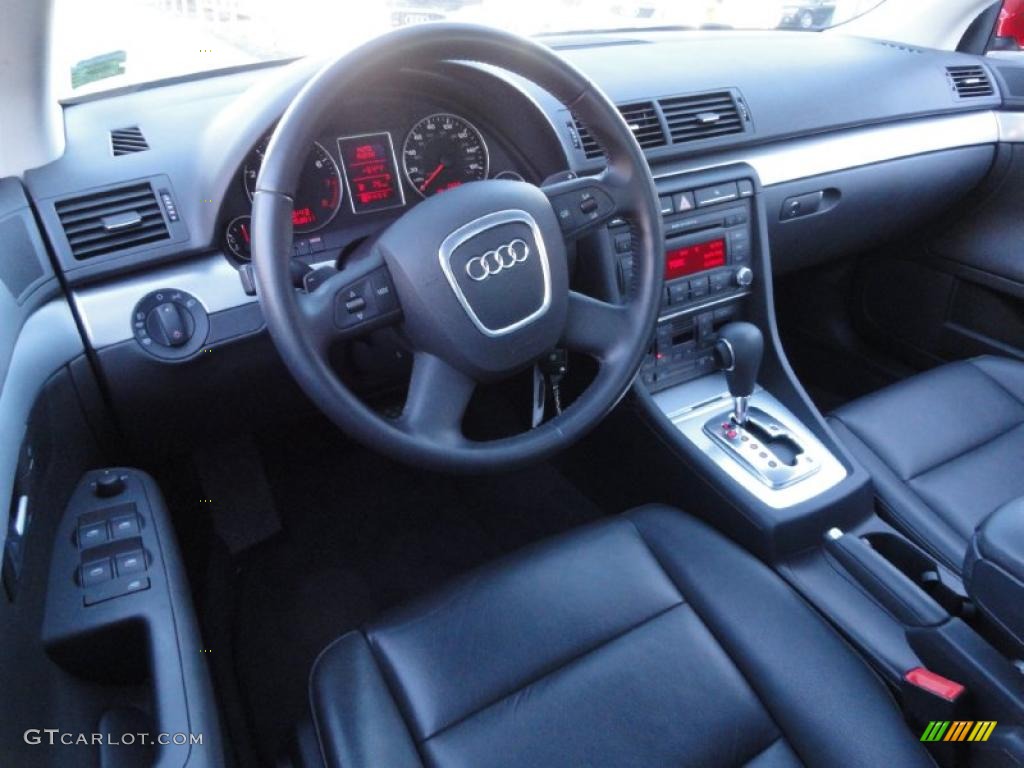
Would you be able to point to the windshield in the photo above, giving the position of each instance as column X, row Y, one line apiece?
column 103, row 44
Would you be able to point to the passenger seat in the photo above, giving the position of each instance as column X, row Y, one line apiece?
column 945, row 449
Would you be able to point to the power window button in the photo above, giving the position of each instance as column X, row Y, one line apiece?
column 130, row 562
column 91, row 534
column 125, row 526
column 96, row 573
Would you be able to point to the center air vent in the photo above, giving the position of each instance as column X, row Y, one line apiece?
column 701, row 116
column 125, row 141
column 970, row 82
column 642, row 119
column 112, row 220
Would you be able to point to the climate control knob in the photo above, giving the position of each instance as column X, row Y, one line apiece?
column 744, row 276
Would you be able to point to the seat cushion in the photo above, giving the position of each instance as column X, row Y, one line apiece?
column 647, row 640
column 945, row 449
column 994, row 571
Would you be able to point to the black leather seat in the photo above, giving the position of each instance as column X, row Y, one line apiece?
column 647, row 640
column 945, row 449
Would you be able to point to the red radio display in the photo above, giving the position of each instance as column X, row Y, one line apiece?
column 371, row 172
column 690, row 259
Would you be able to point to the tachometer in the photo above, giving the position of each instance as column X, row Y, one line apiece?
column 443, row 151
column 319, row 195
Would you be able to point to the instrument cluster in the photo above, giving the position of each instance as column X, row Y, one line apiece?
column 362, row 173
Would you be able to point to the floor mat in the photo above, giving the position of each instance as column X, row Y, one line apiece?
column 361, row 534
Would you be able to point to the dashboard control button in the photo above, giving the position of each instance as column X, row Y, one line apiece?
column 744, row 276
column 623, row 243
column 679, row 292
column 720, row 281
column 720, row 193
column 699, row 288
column 168, row 325
column 357, row 304
column 746, row 187
column 684, row 201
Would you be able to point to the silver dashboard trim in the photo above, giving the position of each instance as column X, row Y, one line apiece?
column 106, row 309
column 48, row 340
column 688, row 406
column 1011, row 127
column 842, row 150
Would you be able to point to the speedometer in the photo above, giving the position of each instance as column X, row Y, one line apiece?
column 319, row 195
column 443, row 151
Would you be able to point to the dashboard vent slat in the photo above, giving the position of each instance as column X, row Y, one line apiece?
column 112, row 220
column 125, row 141
column 641, row 117
column 702, row 116
column 970, row 81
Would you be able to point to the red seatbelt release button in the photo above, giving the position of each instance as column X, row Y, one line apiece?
column 934, row 684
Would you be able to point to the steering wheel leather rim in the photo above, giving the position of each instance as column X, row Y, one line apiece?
column 627, row 175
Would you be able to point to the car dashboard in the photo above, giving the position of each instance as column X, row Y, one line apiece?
column 872, row 131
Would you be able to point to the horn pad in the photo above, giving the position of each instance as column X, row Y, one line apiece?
column 481, row 274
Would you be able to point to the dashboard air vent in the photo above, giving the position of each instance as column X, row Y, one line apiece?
column 642, row 119
column 112, row 220
column 970, row 82
column 702, row 116
column 125, row 141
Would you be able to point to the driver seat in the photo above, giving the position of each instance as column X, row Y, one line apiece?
column 644, row 640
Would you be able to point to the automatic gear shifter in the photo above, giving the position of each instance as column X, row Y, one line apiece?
column 738, row 352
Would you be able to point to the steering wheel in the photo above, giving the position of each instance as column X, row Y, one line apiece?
column 477, row 277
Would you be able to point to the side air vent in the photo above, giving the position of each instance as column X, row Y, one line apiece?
column 970, row 82
column 112, row 220
column 642, row 119
column 125, row 141
column 702, row 116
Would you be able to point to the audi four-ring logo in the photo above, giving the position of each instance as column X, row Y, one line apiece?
column 505, row 256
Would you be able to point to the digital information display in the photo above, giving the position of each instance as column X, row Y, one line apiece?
column 690, row 259
column 371, row 173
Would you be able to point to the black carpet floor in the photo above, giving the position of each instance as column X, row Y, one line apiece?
column 359, row 534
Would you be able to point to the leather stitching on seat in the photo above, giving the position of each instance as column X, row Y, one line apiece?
column 764, row 707
column 902, row 521
column 974, row 364
column 781, row 738
column 561, row 666
column 972, row 449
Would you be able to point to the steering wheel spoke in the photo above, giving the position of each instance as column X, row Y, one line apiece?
column 438, row 397
column 584, row 205
column 596, row 328
column 350, row 304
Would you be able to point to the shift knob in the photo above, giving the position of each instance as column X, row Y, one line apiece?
column 738, row 351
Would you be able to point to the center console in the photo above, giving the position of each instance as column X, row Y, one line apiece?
column 708, row 269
